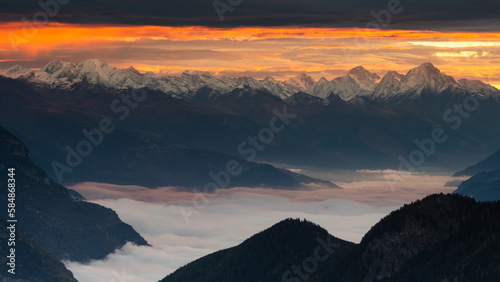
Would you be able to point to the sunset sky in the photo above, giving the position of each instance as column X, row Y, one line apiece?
column 257, row 38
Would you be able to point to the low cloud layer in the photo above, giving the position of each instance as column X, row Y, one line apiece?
column 235, row 215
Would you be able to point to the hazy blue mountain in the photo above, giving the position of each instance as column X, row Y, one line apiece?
column 491, row 163
column 164, row 141
column 67, row 227
column 484, row 183
column 484, row 186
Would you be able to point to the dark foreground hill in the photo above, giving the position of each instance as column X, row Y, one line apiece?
column 33, row 263
column 266, row 256
column 67, row 227
column 439, row 238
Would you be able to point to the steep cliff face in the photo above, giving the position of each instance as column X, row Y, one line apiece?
column 67, row 227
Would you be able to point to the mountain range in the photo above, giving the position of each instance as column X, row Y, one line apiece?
column 439, row 238
column 192, row 125
column 356, row 82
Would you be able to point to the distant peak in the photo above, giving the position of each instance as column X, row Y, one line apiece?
column 54, row 66
column 17, row 69
column 357, row 69
column 302, row 80
column 95, row 62
column 392, row 75
column 55, row 62
column 427, row 67
column 360, row 73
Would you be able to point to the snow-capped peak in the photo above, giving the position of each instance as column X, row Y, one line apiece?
column 477, row 86
column 426, row 73
column 359, row 73
column 424, row 77
column 60, row 69
column 17, row 69
column 270, row 79
column 356, row 82
column 390, row 78
column 302, row 81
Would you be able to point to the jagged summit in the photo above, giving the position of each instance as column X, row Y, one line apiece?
column 17, row 69
column 356, row 82
column 426, row 73
column 361, row 74
column 302, row 81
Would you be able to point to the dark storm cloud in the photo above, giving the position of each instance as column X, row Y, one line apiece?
column 416, row 14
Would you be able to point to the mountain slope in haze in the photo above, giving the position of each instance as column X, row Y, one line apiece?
column 484, row 183
column 484, row 186
column 491, row 163
column 163, row 141
column 167, row 141
column 330, row 132
column 33, row 263
column 346, row 134
column 68, row 228
column 427, row 90
column 304, row 100
column 437, row 238
column 266, row 256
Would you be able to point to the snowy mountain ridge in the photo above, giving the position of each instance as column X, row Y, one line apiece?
column 356, row 82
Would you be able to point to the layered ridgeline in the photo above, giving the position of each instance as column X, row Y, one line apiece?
column 439, row 238
column 69, row 228
column 90, row 131
column 33, row 263
column 356, row 82
column 484, row 184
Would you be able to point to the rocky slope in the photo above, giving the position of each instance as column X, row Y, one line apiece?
column 69, row 228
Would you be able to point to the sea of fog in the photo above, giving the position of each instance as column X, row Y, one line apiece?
column 182, row 226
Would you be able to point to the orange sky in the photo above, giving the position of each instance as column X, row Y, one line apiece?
column 278, row 51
